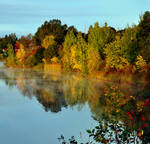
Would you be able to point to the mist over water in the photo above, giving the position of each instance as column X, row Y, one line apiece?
column 37, row 107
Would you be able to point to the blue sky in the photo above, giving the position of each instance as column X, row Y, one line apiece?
column 25, row 16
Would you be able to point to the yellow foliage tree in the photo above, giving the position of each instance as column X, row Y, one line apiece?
column 21, row 54
column 48, row 41
column 69, row 41
column 115, row 57
column 94, row 59
column 74, row 61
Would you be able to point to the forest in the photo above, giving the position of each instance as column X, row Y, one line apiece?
column 102, row 48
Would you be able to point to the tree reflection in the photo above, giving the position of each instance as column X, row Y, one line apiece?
column 125, row 117
column 122, row 117
column 120, row 104
column 46, row 89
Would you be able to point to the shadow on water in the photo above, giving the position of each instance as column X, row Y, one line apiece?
column 119, row 104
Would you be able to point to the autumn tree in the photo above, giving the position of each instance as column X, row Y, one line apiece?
column 35, row 58
column 8, row 39
column 75, row 52
column 114, row 56
column 123, row 51
column 129, row 45
column 94, row 60
column 98, row 37
column 51, row 52
column 143, row 35
column 11, row 56
column 48, row 41
column 78, row 55
column 72, row 28
column 51, row 47
column 69, row 41
column 28, row 42
column 53, row 27
column 21, row 53
column 39, row 55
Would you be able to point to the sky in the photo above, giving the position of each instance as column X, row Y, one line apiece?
column 25, row 16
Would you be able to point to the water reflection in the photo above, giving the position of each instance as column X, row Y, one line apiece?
column 53, row 91
column 47, row 90
column 120, row 104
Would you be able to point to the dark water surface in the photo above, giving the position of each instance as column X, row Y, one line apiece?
column 37, row 107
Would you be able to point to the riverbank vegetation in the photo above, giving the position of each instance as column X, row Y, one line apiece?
column 103, row 48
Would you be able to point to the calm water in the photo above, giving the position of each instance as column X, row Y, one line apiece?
column 37, row 107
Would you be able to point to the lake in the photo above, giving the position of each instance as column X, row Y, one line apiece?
column 38, row 107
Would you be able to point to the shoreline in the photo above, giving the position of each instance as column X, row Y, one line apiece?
column 115, row 77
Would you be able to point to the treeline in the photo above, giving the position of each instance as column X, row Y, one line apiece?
column 102, row 48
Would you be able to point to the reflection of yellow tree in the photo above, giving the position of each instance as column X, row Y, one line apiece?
column 24, row 84
column 75, row 90
column 21, row 82
column 95, row 92
column 115, row 101
column 47, row 96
